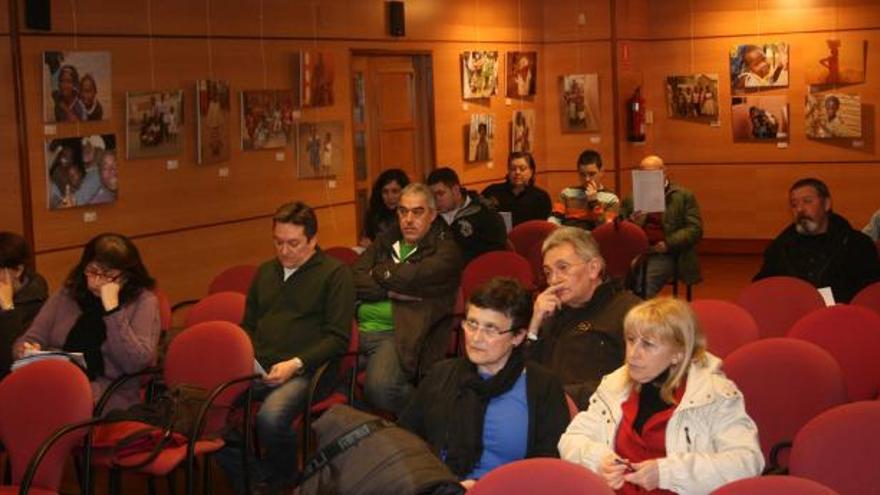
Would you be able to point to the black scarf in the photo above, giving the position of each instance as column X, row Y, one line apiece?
column 88, row 334
column 650, row 402
column 464, row 443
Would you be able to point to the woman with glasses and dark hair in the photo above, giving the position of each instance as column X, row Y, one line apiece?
column 107, row 311
column 490, row 407
column 22, row 293
column 382, row 213
column 518, row 194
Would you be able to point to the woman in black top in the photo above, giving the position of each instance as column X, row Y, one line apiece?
column 382, row 212
column 518, row 194
column 22, row 294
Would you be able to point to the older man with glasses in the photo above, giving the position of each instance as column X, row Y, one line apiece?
column 577, row 322
column 406, row 282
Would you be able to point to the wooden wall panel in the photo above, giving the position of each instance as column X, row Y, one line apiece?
column 10, row 190
column 562, row 20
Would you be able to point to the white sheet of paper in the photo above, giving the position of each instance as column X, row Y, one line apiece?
column 508, row 219
column 648, row 194
column 827, row 296
column 258, row 369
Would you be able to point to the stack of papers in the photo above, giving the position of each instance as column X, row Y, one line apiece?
column 31, row 356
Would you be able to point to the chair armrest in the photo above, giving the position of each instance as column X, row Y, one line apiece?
column 47, row 444
column 183, row 304
column 116, row 384
column 203, row 411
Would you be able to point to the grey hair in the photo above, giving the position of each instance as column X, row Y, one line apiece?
column 419, row 188
column 583, row 243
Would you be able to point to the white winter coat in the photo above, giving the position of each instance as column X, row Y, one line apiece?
column 710, row 440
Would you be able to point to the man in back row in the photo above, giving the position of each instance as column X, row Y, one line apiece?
column 820, row 246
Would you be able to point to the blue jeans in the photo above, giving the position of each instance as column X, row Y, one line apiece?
column 281, row 405
column 386, row 385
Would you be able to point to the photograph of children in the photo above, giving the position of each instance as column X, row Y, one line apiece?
column 833, row 115
column 317, row 78
column 266, row 119
column 212, row 119
column 759, row 118
column 521, row 70
column 479, row 72
column 481, row 137
column 522, row 131
column 153, row 120
column 842, row 63
column 320, row 146
column 692, row 97
column 758, row 66
column 580, row 103
column 76, row 86
column 81, row 171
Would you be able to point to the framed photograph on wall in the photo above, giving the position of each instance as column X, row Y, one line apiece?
column 760, row 118
column 266, row 119
column 833, row 115
column 580, row 102
column 317, row 78
column 841, row 63
column 153, row 123
column 522, row 131
column 692, row 97
column 320, row 148
column 212, row 119
column 81, row 171
column 522, row 68
column 481, row 138
column 479, row 72
column 759, row 66
column 76, row 86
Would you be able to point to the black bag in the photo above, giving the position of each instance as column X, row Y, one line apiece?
column 361, row 454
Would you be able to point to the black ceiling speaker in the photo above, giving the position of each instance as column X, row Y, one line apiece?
column 38, row 15
column 396, row 18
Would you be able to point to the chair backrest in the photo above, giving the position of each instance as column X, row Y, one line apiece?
column 572, row 406
column 344, row 254
column 620, row 243
column 868, row 297
column 527, row 239
column 236, row 279
column 496, row 264
column 841, row 449
column 35, row 401
column 852, row 335
column 165, row 314
column 774, row 485
column 726, row 325
column 223, row 306
column 777, row 302
column 208, row 354
column 541, row 476
column 785, row 383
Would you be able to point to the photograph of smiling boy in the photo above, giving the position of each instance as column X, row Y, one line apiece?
column 759, row 66
column 81, row 171
column 833, row 115
column 76, row 86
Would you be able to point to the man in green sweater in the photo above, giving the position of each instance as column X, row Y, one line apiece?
column 299, row 313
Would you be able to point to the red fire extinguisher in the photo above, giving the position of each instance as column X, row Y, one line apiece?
column 635, row 117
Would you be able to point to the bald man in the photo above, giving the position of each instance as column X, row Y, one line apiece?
column 672, row 235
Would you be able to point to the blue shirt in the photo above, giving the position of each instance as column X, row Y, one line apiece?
column 505, row 429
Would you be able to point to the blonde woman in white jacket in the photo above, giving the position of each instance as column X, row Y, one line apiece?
column 668, row 420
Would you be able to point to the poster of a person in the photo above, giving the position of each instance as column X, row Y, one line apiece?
column 81, row 171
column 521, row 70
column 76, row 86
column 833, row 115
column 759, row 66
column 320, row 146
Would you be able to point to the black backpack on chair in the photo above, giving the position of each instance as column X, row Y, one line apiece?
column 362, row 454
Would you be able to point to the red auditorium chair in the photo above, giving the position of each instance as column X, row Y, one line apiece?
column 785, row 383
column 45, row 407
column 620, row 243
column 496, row 264
column 541, row 476
column 572, row 407
column 852, row 335
column 222, row 306
column 527, row 239
column 344, row 254
column 868, row 297
column 774, row 485
column 840, row 448
column 726, row 326
column 236, row 279
column 164, row 310
column 777, row 302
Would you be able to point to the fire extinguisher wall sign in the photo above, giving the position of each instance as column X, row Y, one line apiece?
column 635, row 117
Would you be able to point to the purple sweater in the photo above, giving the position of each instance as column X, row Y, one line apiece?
column 132, row 339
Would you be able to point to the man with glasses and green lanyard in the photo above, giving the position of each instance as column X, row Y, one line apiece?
column 406, row 282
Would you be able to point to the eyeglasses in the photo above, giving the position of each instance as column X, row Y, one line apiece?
column 95, row 272
column 489, row 330
column 562, row 269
